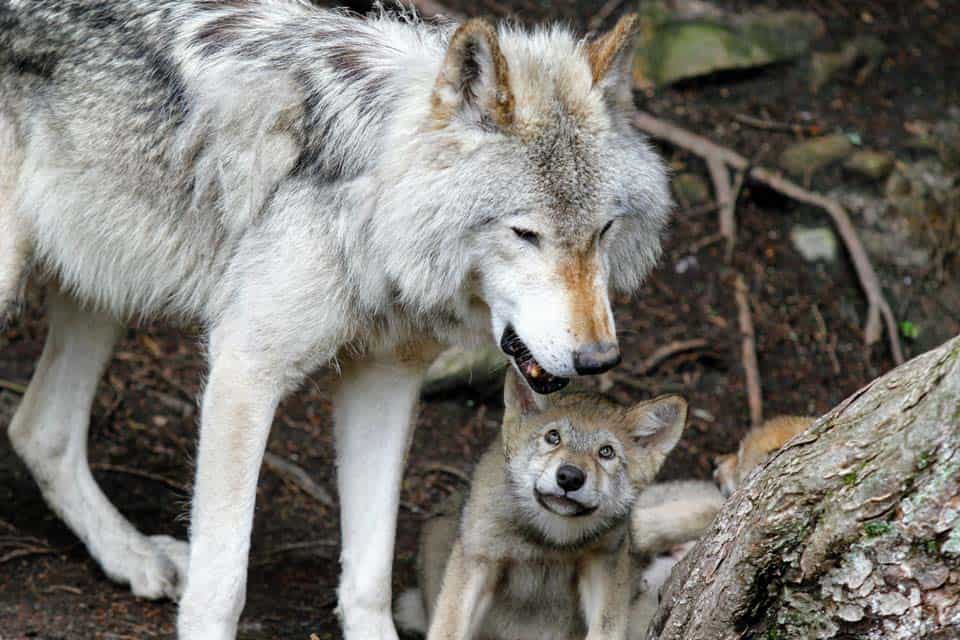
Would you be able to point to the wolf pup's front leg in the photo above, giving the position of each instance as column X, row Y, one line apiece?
column 605, row 582
column 465, row 597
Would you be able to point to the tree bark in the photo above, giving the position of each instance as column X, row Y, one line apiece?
column 851, row 531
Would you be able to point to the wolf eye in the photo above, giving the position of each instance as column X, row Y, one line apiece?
column 606, row 228
column 552, row 437
column 606, row 452
column 527, row 236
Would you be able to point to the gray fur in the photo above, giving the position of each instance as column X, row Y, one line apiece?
column 279, row 174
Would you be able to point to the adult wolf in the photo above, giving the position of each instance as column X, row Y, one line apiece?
column 313, row 188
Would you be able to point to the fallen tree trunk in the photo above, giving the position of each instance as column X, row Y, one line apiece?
column 851, row 531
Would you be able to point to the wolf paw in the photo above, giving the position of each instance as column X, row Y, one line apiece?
column 369, row 626
column 160, row 569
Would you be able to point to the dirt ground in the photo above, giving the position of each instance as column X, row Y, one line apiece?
column 808, row 318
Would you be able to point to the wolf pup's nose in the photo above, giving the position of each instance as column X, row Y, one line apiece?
column 569, row 477
column 596, row 358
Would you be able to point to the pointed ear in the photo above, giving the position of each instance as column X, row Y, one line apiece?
column 519, row 399
column 474, row 77
column 658, row 423
column 611, row 56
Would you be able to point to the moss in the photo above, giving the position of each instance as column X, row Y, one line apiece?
column 875, row 529
column 850, row 479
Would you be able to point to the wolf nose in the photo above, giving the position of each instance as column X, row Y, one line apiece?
column 569, row 477
column 596, row 358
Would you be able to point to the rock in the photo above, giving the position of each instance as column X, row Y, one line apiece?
column 818, row 243
column 866, row 51
column 457, row 368
column 812, row 155
column 676, row 44
column 896, row 249
column 690, row 189
column 875, row 165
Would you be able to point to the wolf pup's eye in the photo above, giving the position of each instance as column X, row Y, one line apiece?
column 552, row 437
column 606, row 452
column 527, row 236
column 606, row 228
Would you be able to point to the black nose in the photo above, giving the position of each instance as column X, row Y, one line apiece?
column 569, row 477
column 596, row 358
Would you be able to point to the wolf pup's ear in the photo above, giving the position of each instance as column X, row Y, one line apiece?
column 519, row 399
column 658, row 423
column 611, row 56
column 474, row 79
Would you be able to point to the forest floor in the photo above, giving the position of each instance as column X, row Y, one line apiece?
column 808, row 319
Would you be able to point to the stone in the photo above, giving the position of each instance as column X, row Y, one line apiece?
column 458, row 368
column 690, row 189
column 817, row 243
column 824, row 66
column 812, row 155
column 675, row 43
column 875, row 165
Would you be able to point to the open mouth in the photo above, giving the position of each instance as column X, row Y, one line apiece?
column 563, row 506
column 539, row 379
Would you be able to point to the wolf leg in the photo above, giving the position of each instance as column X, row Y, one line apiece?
column 13, row 237
column 605, row 582
column 49, row 431
column 465, row 597
column 238, row 407
column 374, row 418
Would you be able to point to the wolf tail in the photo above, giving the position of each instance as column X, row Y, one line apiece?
column 672, row 513
column 410, row 613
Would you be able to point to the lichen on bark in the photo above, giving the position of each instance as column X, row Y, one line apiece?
column 851, row 531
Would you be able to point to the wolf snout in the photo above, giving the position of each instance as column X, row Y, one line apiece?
column 596, row 358
column 570, row 478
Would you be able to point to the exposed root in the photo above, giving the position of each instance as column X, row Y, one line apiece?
column 714, row 154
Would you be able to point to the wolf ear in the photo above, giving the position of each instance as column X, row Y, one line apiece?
column 474, row 77
column 658, row 423
column 611, row 56
column 519, row 399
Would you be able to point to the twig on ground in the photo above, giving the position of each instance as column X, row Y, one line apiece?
column 749, row 350
column 877, row 304
column 705, row 241
column 667, row 351
column 448, row 469
column 269, row 555
column 771, row 125
column 655, row 359
column 608, row 9
column 297, row 476
column 720, row 176
column 65, row 588
column 16, row 387
column 23, row 552
column 140, row 473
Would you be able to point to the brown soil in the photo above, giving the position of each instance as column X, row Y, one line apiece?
column 808, row 319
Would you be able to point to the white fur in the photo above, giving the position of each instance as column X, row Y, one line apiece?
column 374, row 425
column 49, row 431
column 13, row 238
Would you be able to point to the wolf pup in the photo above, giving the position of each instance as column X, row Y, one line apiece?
column 311, row 188
column 542, row 549
column 733, row 468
